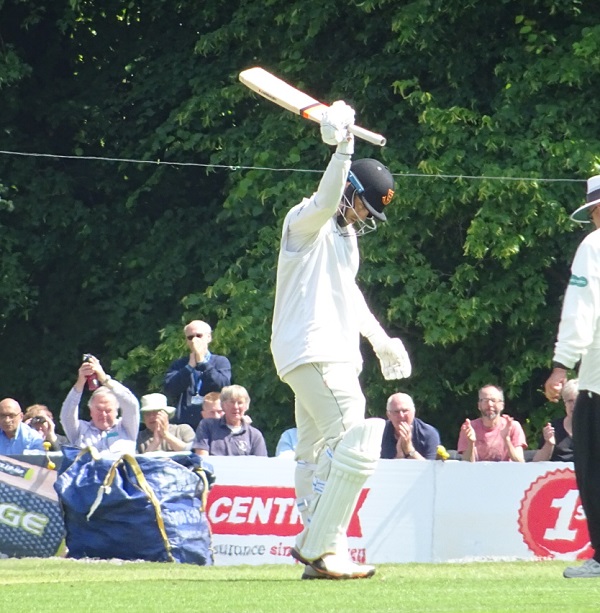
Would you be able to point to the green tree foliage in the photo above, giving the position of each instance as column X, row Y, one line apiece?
column 490, row 115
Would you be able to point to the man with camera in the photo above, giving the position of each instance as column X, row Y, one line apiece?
column 106, row 431
column 40, row 418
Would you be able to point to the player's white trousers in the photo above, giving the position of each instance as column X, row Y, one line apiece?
column 328, row 403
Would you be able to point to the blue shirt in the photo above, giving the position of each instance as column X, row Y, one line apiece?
column 425, row 439
column 25, row 438
column 287, row 441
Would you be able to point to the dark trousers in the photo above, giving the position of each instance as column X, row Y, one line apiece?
column 586, row 456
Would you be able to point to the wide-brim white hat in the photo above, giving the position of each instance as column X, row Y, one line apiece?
column 156, row 402
column 593, row 197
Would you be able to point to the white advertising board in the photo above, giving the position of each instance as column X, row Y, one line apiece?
column 408, row 511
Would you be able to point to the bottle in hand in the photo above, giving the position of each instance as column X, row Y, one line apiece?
column 92, row 380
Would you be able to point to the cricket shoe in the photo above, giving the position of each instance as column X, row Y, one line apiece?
column 589, row 569
column 332, row 566
column 311, row 573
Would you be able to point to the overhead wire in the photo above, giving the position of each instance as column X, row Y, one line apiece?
column 237, row 167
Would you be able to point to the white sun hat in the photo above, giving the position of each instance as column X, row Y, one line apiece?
column 592, row 198
column 156, row 402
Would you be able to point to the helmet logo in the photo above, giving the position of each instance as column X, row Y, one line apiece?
column 388, row 197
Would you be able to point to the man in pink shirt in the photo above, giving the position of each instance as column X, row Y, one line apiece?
column 493, row 437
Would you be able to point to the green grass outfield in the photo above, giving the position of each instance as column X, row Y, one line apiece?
column 47, row 585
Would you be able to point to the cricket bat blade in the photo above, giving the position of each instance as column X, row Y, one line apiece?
column 288, row 97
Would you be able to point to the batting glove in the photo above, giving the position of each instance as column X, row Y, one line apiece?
column 334, row 125
column 394, row 360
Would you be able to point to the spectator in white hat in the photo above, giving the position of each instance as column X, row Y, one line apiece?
column 159, row 434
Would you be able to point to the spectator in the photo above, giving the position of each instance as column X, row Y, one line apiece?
column 493, row 437
column 159, row 434
column 15, row 436
column 106, row 431
column 211, row 407
column 406, row 436
column 230, row 434
column 286, row 447
column 556, row 444
column 190, row 378
column 41, row 419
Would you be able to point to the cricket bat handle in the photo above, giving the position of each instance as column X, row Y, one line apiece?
column 315, row 110
column 370, row 137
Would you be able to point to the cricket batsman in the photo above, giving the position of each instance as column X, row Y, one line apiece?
column 318, row 317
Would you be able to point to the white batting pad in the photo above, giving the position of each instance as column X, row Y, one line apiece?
column 303, row 479
column 354, row 460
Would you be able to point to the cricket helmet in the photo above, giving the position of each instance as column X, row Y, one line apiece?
column 374, row 184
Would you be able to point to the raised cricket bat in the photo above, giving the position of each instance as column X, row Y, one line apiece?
column 274, row 89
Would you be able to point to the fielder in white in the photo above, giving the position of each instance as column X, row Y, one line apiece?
column 319, row 314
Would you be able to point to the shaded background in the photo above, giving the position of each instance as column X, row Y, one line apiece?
column 165, row 182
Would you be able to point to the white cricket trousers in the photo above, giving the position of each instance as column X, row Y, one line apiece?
column 329, row 401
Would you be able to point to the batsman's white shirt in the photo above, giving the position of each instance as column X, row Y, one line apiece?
column 579, row 330
column 319, row 310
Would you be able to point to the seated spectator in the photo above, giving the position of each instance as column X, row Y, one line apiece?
column 230, row 434
column 286, row 447
column 556, row 443
column 15, row 436
column 159, row 434
column 493, row 437
column 190, row 378
column 106, row 431
column 211, row 407
column 40, row 418
column 405, row 436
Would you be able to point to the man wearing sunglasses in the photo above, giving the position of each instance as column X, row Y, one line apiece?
column 319, row 316
column 190, row 378
column 15, row 436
